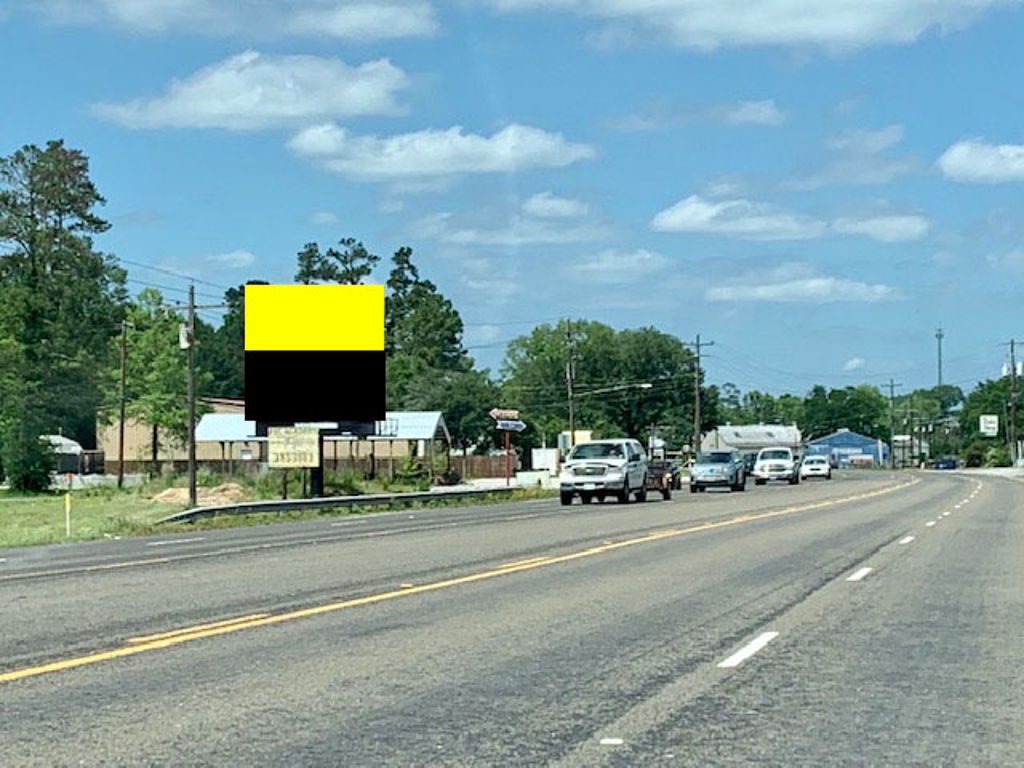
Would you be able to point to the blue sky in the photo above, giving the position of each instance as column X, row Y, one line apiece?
column 814, row 186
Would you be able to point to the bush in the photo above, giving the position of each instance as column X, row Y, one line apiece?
column 450, row 477
column 27, row 459
column 998, row 456
column 344, row 483
column 412, row 472
column 975, row 454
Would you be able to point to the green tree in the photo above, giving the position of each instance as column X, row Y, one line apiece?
column 156, row 372
column 348, row 265
column 62, row 300
column 465, row 398
column 419, row 321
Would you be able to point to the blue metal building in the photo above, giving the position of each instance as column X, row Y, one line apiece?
column 849, row 448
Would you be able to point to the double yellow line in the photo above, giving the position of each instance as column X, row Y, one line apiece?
column 144, row 644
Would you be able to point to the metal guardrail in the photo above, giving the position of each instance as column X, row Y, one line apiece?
column 327, row 502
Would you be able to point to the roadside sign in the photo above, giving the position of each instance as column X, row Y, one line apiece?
column 504, row 414
column 988, row 424
column 511, row 425
column 293, row 447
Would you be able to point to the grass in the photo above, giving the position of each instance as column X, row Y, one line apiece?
column 27, row 520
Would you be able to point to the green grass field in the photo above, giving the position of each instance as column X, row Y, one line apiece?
column 109, row 513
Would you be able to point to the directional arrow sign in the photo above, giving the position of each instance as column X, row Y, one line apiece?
column 508, row 414
column 509, row 425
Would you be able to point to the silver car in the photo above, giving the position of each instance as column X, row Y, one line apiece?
column 721, row 469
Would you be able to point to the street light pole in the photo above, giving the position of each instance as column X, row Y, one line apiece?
column 191, row 331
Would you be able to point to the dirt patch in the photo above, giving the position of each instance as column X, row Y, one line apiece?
column 220, row 494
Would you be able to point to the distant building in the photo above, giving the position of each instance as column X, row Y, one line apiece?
column 751, row 438
column 850, row 448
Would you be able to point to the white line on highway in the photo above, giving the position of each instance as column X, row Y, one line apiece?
column 174, row 541
column 945, row 514
column 3, row 559
column 748, row 650
column 906, row 540
column 929, row 524
column 860, row 574
column 611, row 741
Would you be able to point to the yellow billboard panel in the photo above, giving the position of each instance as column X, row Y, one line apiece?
column 314, row 318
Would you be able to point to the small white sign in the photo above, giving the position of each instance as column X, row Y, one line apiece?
column 293, row 447
column 988, row 424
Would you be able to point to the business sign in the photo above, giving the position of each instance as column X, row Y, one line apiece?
column 988, row 424
column 504, row 414
column 511, row 425
column 314, row 353
column 293, row 447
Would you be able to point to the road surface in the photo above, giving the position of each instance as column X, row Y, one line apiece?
column 873, row 619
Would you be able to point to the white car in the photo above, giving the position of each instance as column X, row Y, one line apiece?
column 776, row 464
column 815, row 466
column 600, row 468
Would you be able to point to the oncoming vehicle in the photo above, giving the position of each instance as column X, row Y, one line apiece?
column 815, row 466
column 776, row 464
column 722, row 469
column 601, row 468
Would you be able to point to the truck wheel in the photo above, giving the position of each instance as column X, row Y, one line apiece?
column 666, row 493
column 641, row 495
column 693, row 489
column 624, row 493
column 566, row 499
column 758, row 481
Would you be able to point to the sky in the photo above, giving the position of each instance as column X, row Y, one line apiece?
column 815, row 187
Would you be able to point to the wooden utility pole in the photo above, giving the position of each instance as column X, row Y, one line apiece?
column 124, row 398
column 892, row 422
column 697, row 344
column 191, row 336
column 570, row 375
column 1011, row 428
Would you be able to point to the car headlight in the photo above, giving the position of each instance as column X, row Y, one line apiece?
column 614, row 474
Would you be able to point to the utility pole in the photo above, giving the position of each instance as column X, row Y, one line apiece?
column 1011, row 428
column 697, row 344
column 892, row 422
column 570, row 375
column 939, row 336
column 120, row 430
column 191, row 331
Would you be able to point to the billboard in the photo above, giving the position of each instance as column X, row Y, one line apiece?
column 293, row 447
column 314, row 353
column 988, row 424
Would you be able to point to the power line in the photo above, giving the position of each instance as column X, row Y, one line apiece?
column 171, row 288
column 167, row 271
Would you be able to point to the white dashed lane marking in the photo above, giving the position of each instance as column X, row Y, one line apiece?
column 748, row 650
column 929, row 524
column 906, row 539
column 860, row 574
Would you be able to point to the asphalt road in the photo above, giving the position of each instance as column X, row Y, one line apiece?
column 824, row 624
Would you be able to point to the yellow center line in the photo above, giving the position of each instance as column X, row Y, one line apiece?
column 185, row 634
column 195, row 628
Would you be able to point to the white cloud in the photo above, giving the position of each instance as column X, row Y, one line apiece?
column 709, row 24
column 358, row 21
column 323, row 218
column 519, row 230
column 437, row 152
column 1012, row 261
column 663, row 115
column 853, row 364
column 254, row 90
column 799, row 283
column 815, row 290
column 737, row 218
column 235, row 259
column 885, row 228
column 366, row 20
column 494, row 290
column 612, row 267
column 867, row 141
column 756, row 112
column 976, row 161
column 857, row 158
column 549, row 206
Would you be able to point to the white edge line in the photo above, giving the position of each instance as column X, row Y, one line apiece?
column 906, row 540
column 174, row 541
column 860, row 574
column 748, row 650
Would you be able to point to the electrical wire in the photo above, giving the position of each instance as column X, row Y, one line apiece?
column 167, row 271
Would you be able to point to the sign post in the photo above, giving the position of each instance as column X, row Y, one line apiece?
column 508, row 422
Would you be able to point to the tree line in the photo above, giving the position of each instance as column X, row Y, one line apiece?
column 64, row 306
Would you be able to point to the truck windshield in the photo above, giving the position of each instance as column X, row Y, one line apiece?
column 714, row 458
column 775, row 455
column 597, row 451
